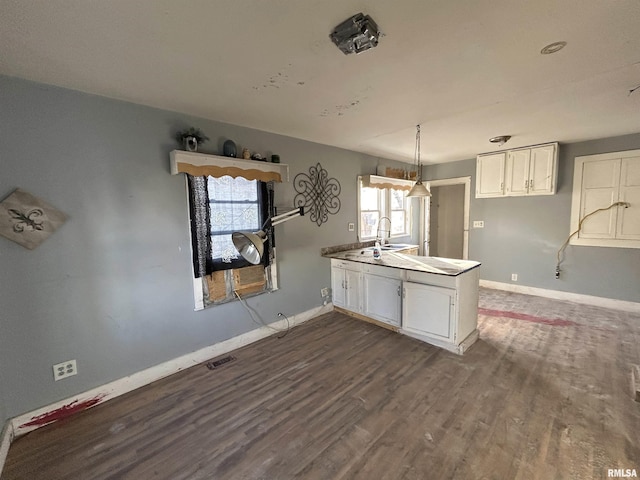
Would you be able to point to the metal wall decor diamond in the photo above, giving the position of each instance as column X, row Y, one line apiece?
column 27, row 220
column 317, row 193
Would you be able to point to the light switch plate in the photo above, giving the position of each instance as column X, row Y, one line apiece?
column 478, row 224
column 352, row 227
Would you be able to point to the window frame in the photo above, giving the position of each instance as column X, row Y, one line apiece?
column 384, row 210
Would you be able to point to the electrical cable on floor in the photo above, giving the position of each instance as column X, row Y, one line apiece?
column 259, row 321
column 560, row 254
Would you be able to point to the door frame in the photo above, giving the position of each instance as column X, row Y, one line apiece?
column 425, row 212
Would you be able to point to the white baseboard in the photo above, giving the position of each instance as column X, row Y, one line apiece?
column 6, row 437
column 612, row 303
column 42, row 416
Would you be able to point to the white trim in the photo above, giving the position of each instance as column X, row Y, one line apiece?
column 150, row 375
column 5, row 442
column 603, row 302
column 466, row 181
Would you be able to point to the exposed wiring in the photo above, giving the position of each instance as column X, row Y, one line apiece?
column 257, row 320
column 560, row 254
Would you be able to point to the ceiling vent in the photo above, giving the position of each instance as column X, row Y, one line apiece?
column 356, row 34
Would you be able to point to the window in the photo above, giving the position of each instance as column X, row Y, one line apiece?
column 219, row 207
column 376, row 203
column 235, row 204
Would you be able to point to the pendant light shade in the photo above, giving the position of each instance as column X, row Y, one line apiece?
column 418, row 190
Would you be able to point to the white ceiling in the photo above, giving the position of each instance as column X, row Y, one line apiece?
column 465, row 70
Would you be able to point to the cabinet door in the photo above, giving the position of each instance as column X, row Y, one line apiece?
column 353, row 289
column 428, row 310
column 382, row 298
column 629, row 218
column 517, row 172
column 490, row 175
column 338, row 286
column 600, row 187
column 543, row 170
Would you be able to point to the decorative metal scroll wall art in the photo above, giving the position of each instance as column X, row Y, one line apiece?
column 27, row 220
column 317, row 193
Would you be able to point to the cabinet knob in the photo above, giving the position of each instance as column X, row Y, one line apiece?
column 399, row 293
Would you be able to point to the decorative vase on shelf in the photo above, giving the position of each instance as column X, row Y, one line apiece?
column 229, row 148
column 191, row 144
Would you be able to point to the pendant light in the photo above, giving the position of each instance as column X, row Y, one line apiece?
column 418, row 190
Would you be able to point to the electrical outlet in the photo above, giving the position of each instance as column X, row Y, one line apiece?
column 65, row 369
column 352, row 226
column 478, row 224
column 324, row 292
column 514, row 277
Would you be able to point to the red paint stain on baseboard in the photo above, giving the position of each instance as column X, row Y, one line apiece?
column 62, row 412
column 556, row 322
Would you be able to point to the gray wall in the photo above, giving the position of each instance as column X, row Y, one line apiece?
column 112, row 288
column 522, row 234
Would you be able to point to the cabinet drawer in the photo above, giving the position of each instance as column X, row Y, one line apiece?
column 431, row 279
column 388, row 272
column 346, row 264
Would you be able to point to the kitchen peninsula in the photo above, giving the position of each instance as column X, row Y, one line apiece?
column 429, row 298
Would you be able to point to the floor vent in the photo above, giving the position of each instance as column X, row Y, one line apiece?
column 221, row 361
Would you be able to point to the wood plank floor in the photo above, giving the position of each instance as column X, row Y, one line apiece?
column 545, row 394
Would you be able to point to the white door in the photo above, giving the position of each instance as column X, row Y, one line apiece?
column 382, row 298
column 428, row 310
column 352, row 290
column 542, row 172
column 446, row 224
column 517, row 172
column 337, row 286
column 490, row 175
column 628, row 218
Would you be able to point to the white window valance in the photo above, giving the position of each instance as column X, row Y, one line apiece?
column 376, row 181
column 200, row 164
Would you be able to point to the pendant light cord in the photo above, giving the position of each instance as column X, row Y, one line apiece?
column 417, row 153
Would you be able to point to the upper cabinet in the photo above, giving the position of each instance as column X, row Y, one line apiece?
column 522, row 171
column 490, row 175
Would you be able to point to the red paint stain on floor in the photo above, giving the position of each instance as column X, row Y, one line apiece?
column 62, row 412
column 556, row 322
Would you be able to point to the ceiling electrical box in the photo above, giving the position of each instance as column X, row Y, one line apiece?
column 356, row 34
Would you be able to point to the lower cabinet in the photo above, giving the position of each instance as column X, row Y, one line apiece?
column 346, row 280
column 437, row 309
column 429, row 310
column 382, row 298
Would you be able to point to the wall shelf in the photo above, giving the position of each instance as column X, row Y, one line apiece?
column 200, row 164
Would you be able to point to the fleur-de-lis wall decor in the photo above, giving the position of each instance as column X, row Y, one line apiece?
column 27, row 220
column 317, row 193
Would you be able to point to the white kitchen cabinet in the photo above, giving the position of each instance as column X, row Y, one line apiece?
column 531, row 171
column 346, row 285
column 441, row 310
column 432, row 299
column 429, row 310
column 517, row 172
column 382, row 298
column 490, row 175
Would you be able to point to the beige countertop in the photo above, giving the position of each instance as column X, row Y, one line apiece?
column 389, row 258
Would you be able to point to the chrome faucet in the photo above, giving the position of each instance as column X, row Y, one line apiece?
column 378, row 237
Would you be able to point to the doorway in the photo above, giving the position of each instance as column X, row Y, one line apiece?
column 446, row 220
